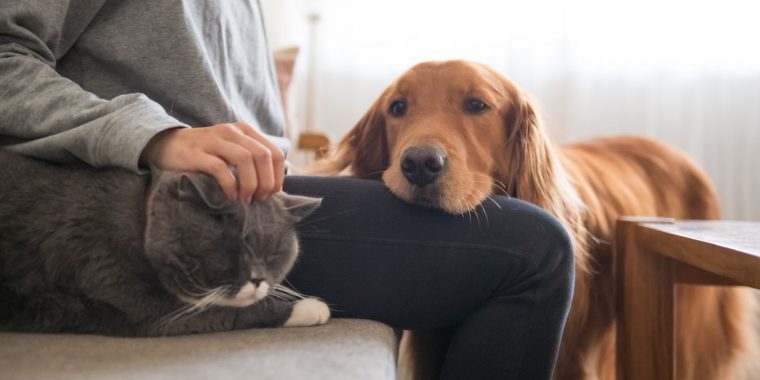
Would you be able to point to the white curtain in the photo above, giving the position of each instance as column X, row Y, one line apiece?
column 685, row 72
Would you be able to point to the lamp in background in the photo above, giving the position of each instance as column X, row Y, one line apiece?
column 309, row 138
column 292, row 27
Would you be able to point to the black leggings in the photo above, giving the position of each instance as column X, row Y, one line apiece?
column 502, row 279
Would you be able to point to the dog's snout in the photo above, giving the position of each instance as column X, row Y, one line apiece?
column 422, row 165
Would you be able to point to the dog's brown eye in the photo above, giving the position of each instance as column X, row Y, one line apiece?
column 398, row 108
column 474, row 106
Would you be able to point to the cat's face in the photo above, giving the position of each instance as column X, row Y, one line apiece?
column 211, row 250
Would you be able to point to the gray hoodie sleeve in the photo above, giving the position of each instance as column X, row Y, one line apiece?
column 45, row 115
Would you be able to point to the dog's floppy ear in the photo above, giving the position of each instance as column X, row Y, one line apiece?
column 531, row 162
column 534, row 172
column 364, row 150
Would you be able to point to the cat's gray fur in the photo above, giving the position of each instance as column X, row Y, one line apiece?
column 81, row 250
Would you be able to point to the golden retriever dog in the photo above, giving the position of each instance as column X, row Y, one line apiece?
column 449, row 134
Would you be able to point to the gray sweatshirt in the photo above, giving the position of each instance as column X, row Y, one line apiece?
column 94, row 80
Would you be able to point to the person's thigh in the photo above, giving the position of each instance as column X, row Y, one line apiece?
column 371, row 255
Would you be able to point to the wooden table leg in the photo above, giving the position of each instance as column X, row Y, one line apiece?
column 645, row 300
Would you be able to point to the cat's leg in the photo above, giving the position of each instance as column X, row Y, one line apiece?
column 273, row 312
column 308, row 312
column 57, row 311
column 269, row 312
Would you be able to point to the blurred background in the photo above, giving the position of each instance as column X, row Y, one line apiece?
column 684, row 72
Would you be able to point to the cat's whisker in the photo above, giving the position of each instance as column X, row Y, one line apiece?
column 290, row 286
column 213, row 296
column 162, row 326
column 202, row 291
column 199, row 294
column 190, row 310
column 284, row 293
column 329, row 216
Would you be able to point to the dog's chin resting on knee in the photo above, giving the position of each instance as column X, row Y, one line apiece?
column 450, row 134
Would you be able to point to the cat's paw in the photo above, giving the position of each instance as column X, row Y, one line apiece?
column 309, row 312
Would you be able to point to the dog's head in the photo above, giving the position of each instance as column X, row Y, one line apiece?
column 449, row 134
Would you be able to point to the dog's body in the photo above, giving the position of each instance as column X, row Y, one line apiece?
column 449, row 134
column 636, row 176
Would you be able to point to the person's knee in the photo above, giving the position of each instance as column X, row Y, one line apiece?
column 559, row 252
column 537, row 235
column 556, row 263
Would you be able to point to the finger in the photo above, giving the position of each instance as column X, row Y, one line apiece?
column 278, row 157
column 216, row 167
column 265, row 157
column 278, row 165
column 265, row 171
column 242, row 159
column 262, row 159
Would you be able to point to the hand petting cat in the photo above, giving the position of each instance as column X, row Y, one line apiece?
column 212, row 150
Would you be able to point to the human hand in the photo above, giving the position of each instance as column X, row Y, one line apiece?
column 259, row 163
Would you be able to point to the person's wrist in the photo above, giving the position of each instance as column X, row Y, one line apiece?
column 155, row 145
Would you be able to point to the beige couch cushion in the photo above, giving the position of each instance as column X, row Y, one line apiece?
column 342, row 349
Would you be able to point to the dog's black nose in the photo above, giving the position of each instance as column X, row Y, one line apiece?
column 422, row 165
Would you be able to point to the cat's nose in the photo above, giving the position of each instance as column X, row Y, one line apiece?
column 257, row 281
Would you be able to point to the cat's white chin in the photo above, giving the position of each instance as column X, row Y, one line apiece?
column 247, row 296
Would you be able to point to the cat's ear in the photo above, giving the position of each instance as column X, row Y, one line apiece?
column 299, row 206
column 200, row 187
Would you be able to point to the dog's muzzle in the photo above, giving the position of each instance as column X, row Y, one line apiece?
column 422, row 165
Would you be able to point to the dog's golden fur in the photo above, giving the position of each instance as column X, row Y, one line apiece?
column 587, row 186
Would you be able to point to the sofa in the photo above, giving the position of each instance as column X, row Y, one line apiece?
column 341, row 349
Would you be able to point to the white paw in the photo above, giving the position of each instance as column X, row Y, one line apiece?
column 309, row 312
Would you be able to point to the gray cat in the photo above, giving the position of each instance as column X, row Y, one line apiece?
column 108, row 252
